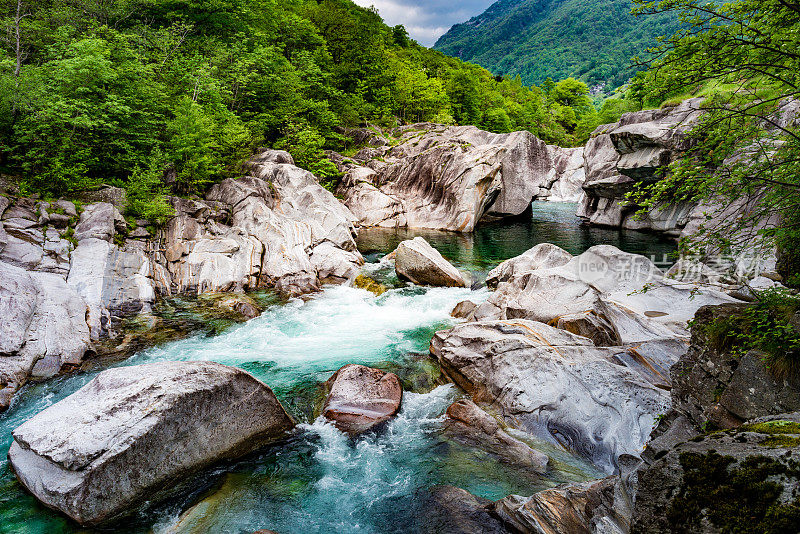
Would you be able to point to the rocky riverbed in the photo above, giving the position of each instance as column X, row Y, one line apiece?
column 506, row 376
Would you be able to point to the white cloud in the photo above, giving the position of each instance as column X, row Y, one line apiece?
column 426, row 21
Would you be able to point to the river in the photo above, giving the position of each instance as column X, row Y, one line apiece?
column 319, row 480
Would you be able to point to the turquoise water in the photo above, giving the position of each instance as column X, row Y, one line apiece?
column 320, row 480
column 490, row 244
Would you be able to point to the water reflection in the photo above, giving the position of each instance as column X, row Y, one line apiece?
column 550, row 222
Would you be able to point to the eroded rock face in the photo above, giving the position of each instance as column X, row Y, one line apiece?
column 42, row 328
column 632, row 151
column 723, row 480
column 361, row 398
column 132, row 432
column 285, row 231
column 567, row 175
column 451, row 510
column 555, row 385
column 468, row 424
column 275, row 227
column 450, row 177
column 586, row 508
column 417, row 261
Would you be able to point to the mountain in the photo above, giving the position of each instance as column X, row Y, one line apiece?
column 593, row 40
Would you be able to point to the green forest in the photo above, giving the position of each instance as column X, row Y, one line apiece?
column 592, row 40
column 171, row 95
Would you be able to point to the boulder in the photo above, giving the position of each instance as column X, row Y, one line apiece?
column 133, row 433
column 116, row 196
column 624, row 291
column 579, row 508
column 451, row 510
column 554, row 385
column 589, row 324
column 468, row 424
column 464, row 309
column 447, row 178
column 238, row 305
column 422, row 264
column 360, row 398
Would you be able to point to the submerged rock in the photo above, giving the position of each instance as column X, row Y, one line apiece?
column 449, row 178
column 368, row 284
column 422, row 264
column 468, row 424
column 360, row 398
column 555, row 385
column 133, row 433
column 239, row 305
column 451, row 510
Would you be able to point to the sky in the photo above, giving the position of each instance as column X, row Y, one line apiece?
column 427, row 20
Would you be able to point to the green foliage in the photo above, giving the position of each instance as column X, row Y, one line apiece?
column 147, row 193
column 738, row 498
column 126, row 92
column 766, row 327
column 593, row 40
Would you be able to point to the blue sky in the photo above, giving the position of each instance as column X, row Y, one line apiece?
column 426, row 20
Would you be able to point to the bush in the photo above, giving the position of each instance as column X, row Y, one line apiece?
column 766, row 326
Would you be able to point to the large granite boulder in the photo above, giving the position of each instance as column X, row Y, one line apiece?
column 133, row 433
column 361, row 398
column 43, row 328
column 627, row 294
column 597, row 506
column 451, row 177
column 555, row 385
column 417, row 261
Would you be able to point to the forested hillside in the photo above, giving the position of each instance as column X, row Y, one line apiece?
column 157, row 95
column 593, row 40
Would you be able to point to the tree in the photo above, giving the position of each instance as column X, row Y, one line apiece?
column 744, row 58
